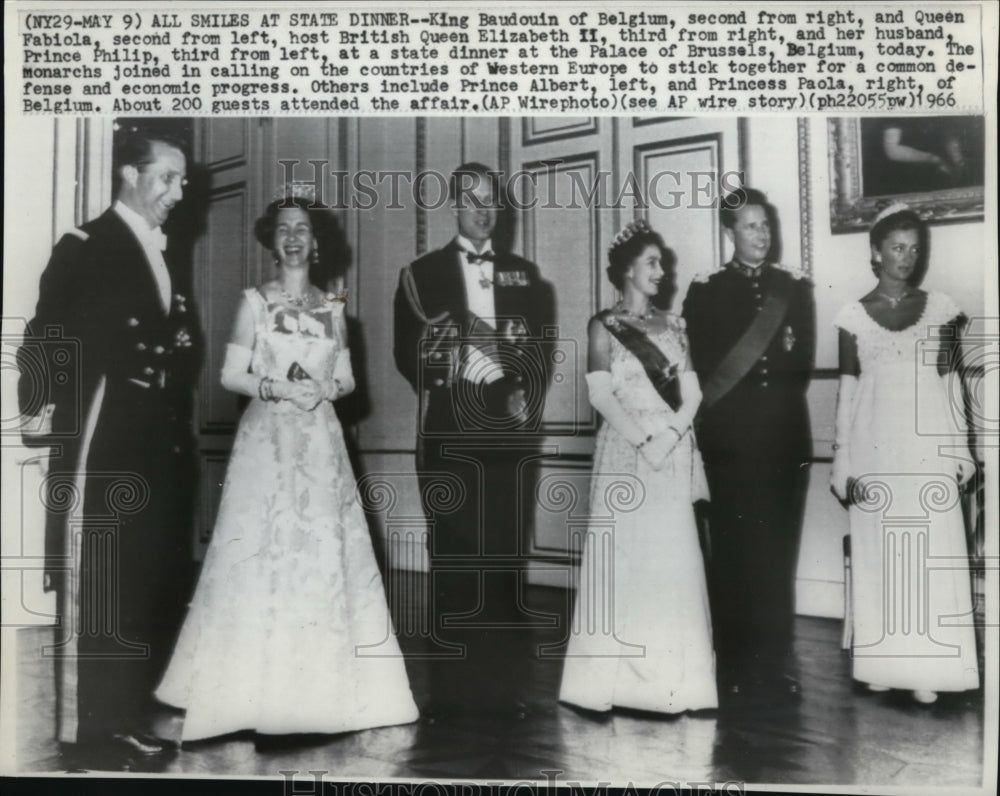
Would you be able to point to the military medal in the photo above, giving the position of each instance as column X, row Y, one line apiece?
column 788, row 339
column 477, row 259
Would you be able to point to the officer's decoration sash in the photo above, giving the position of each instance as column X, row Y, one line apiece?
column 749, row 348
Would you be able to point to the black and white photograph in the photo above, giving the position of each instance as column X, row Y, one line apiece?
column 467, row 449
column 933, row 164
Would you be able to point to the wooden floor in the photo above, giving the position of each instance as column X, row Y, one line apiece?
column 834, row 735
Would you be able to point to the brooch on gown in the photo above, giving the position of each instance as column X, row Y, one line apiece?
column 288, row 321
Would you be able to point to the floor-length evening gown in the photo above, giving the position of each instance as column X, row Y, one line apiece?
column 289, row 630
column 642, row 634
column 911, row 592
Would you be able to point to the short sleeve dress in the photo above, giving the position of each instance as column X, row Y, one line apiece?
column 911, row 596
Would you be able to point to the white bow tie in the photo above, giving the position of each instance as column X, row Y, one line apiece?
column 158, row 239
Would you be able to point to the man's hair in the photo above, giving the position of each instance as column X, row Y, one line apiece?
column 465, row 178
column 741, row 197
column 135, row 148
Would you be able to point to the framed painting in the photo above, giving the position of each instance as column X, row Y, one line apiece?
column 932, row 163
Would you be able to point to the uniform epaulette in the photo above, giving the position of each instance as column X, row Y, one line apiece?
column 704, row 276
column 78, row 233
column 793, row 271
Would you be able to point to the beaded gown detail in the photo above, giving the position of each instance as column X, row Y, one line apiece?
column 289, row 630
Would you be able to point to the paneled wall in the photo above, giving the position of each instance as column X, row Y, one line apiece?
column 562, row 224
column 561, row 227
column 240, row 159
column 585, row 179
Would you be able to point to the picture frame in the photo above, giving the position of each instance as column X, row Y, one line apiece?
column 935, row 167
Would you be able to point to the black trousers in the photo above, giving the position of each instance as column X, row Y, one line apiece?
column 135, row 569
column 754, row 524
column 475, row 506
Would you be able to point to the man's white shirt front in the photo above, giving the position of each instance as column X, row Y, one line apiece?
column 477, row 366
column 153, row 242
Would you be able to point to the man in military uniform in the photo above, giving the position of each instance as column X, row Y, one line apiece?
column 468, row 338
column 116, row 416
column 751, row 325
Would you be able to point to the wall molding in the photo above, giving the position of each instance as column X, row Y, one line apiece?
column 420, row 160
column 805, row 196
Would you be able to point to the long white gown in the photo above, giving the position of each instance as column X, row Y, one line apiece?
column 288, row 630
column 911, row 592
column 642, row 632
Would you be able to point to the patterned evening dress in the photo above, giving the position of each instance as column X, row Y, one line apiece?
column 289, row 631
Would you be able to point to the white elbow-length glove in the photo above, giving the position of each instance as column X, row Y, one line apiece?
column 842, row 468
column 602, row 397
column 236, row 376
column 342, row 382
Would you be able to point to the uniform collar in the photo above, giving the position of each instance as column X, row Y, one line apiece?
column 746, row 270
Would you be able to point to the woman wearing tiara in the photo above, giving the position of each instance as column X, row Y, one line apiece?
column 901, row 456
column 641, row 635
column 288, row 631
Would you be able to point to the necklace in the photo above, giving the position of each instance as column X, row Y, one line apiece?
column 296, row 301
column 639, row 318
column 893, row 300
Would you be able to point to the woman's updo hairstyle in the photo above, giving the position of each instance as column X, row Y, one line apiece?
column 898, row 218
column 628, row 245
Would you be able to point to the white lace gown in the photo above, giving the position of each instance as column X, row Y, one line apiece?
column 288, row 630
column 911, row 592
column 642, row 632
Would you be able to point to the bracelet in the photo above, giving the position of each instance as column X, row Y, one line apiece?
column 265, row 389
column 648, row 439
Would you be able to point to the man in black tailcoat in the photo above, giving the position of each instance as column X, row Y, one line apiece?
column 751, row 326
column 116, row 364
column 468, row 335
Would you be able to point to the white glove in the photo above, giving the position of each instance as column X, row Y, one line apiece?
column 39, row 425
column 656, row 451
column 841, row 473
column 841, row 455
column 966, row 468
column 690, row 401
column 236, row 376
column 342, row 382
column 603, row 399
column 305, row 394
